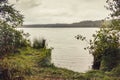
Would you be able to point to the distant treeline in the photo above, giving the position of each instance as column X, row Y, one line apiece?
column 78, row 24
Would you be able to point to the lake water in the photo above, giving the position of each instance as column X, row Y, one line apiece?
column 68, row 52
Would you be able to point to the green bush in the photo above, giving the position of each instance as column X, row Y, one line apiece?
column 10, row 38
column 116, row 71
column 110, row 60
column 45, row 61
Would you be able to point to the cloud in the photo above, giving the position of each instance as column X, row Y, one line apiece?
column 61, row 11
column 26, row 4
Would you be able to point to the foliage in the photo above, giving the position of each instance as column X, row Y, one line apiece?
column 105, row 45
column 116, row 71
column 114, row 6
column 46, row 61
column 9, row 15
column 10, row 38
column 104, row 48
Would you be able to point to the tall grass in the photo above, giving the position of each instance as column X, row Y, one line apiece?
column 27, row 63
column 39, row 43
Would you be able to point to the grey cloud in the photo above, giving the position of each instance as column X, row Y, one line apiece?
column 58, row 11
column 29, row 3
column 26, row 4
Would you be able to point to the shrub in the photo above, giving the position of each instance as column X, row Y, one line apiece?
column 116, row 71
column 10, row 38
column 45, row 60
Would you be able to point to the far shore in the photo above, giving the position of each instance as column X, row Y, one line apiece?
column 33, row 26
column 82, row 24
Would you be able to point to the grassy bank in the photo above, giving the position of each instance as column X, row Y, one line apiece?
column 35, row 64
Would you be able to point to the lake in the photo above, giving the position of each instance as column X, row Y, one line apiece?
column 68, row 52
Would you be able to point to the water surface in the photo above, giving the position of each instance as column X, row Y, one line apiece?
column 68, row 52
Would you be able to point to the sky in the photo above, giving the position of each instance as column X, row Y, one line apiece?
column 60, row 11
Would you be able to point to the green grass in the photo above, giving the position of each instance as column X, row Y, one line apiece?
column 35, row 64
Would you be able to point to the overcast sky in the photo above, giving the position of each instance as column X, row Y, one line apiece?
column 60, row 11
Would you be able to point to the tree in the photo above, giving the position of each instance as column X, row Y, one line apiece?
column 10, row 38
column 106, row 42
column 114, row 7
column 9, row 15
column 105, row 45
